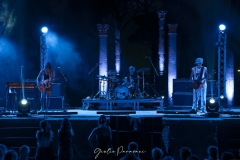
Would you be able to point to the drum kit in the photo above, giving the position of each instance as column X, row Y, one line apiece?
column 129, row 89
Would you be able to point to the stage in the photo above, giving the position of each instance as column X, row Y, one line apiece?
column 167, row 129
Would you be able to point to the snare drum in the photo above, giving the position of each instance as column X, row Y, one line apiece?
column 121, row 92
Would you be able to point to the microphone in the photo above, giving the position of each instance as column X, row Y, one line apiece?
column 147, row 57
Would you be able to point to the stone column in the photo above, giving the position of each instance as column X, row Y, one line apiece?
column 117, row 51
column 103, row 61
column 230, row 78
column 161, row 51
column 172, row 58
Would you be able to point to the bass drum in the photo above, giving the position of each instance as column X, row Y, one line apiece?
column 121, row 92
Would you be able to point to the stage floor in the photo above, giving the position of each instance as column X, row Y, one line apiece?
column 94, row 114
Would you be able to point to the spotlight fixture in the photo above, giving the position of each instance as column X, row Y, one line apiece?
column 23, row 101
column 44, row 30
column 212, row 108
column 24, row 107
column 162, row 97
column 221, row 97
column 212, row 100
column 222, row 27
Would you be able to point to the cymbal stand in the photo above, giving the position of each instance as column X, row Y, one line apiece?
column 137, row 92
column 91, row 72
column 101, row 92
column 143, row 91
column 110, row 89
column 154, row 74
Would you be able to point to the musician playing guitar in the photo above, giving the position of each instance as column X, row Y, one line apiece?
column 44, row 82
column 199, row 76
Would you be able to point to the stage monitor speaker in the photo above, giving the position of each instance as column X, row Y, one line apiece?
column 182, row 85
column 182, row 99
column 56, row 90
column 56, row 103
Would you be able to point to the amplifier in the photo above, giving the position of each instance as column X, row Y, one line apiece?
column 182, row 85
column 56, row 103
column 182, row 99
column 56, row 90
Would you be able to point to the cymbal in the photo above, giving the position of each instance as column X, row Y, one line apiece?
column 138, row 78
column 114, row 79
column 143, row 70
column 102, row 77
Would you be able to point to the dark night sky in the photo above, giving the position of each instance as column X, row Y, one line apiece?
column 74, row 23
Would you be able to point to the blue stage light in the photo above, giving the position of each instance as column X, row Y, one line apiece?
column 24, row 101
column 44, row 30
column 222, row 27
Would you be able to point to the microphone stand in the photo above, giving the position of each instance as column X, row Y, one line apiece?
column 154, row 75
column 92, row 76
column 62, row 74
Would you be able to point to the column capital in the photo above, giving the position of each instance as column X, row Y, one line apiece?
column 172, row 28
column 162, row 14
column 103, row 29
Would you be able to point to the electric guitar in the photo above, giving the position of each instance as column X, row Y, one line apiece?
column 42, row 86
column 197, row 83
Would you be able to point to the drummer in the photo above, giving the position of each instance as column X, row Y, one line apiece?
column 130, row 81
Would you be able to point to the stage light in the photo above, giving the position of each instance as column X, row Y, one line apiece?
column 212, row 100
column 212, row 108
column 44, row 30
column 222, row 27
column 23, row 101
column 162, row 97
column 238, row 70
column 24, row 108
column 222, row 97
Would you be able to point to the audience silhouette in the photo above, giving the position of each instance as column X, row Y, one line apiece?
column 133, row 152
column 185, row 152
column 3, row 150
column 44, row 140
column 168, row 158
column 212, row 152
column 227, row 156
column 10, row 155
column 103, row 136
column 157, row 153
column 24, row 152
column 65, row 134
column 193, row 157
